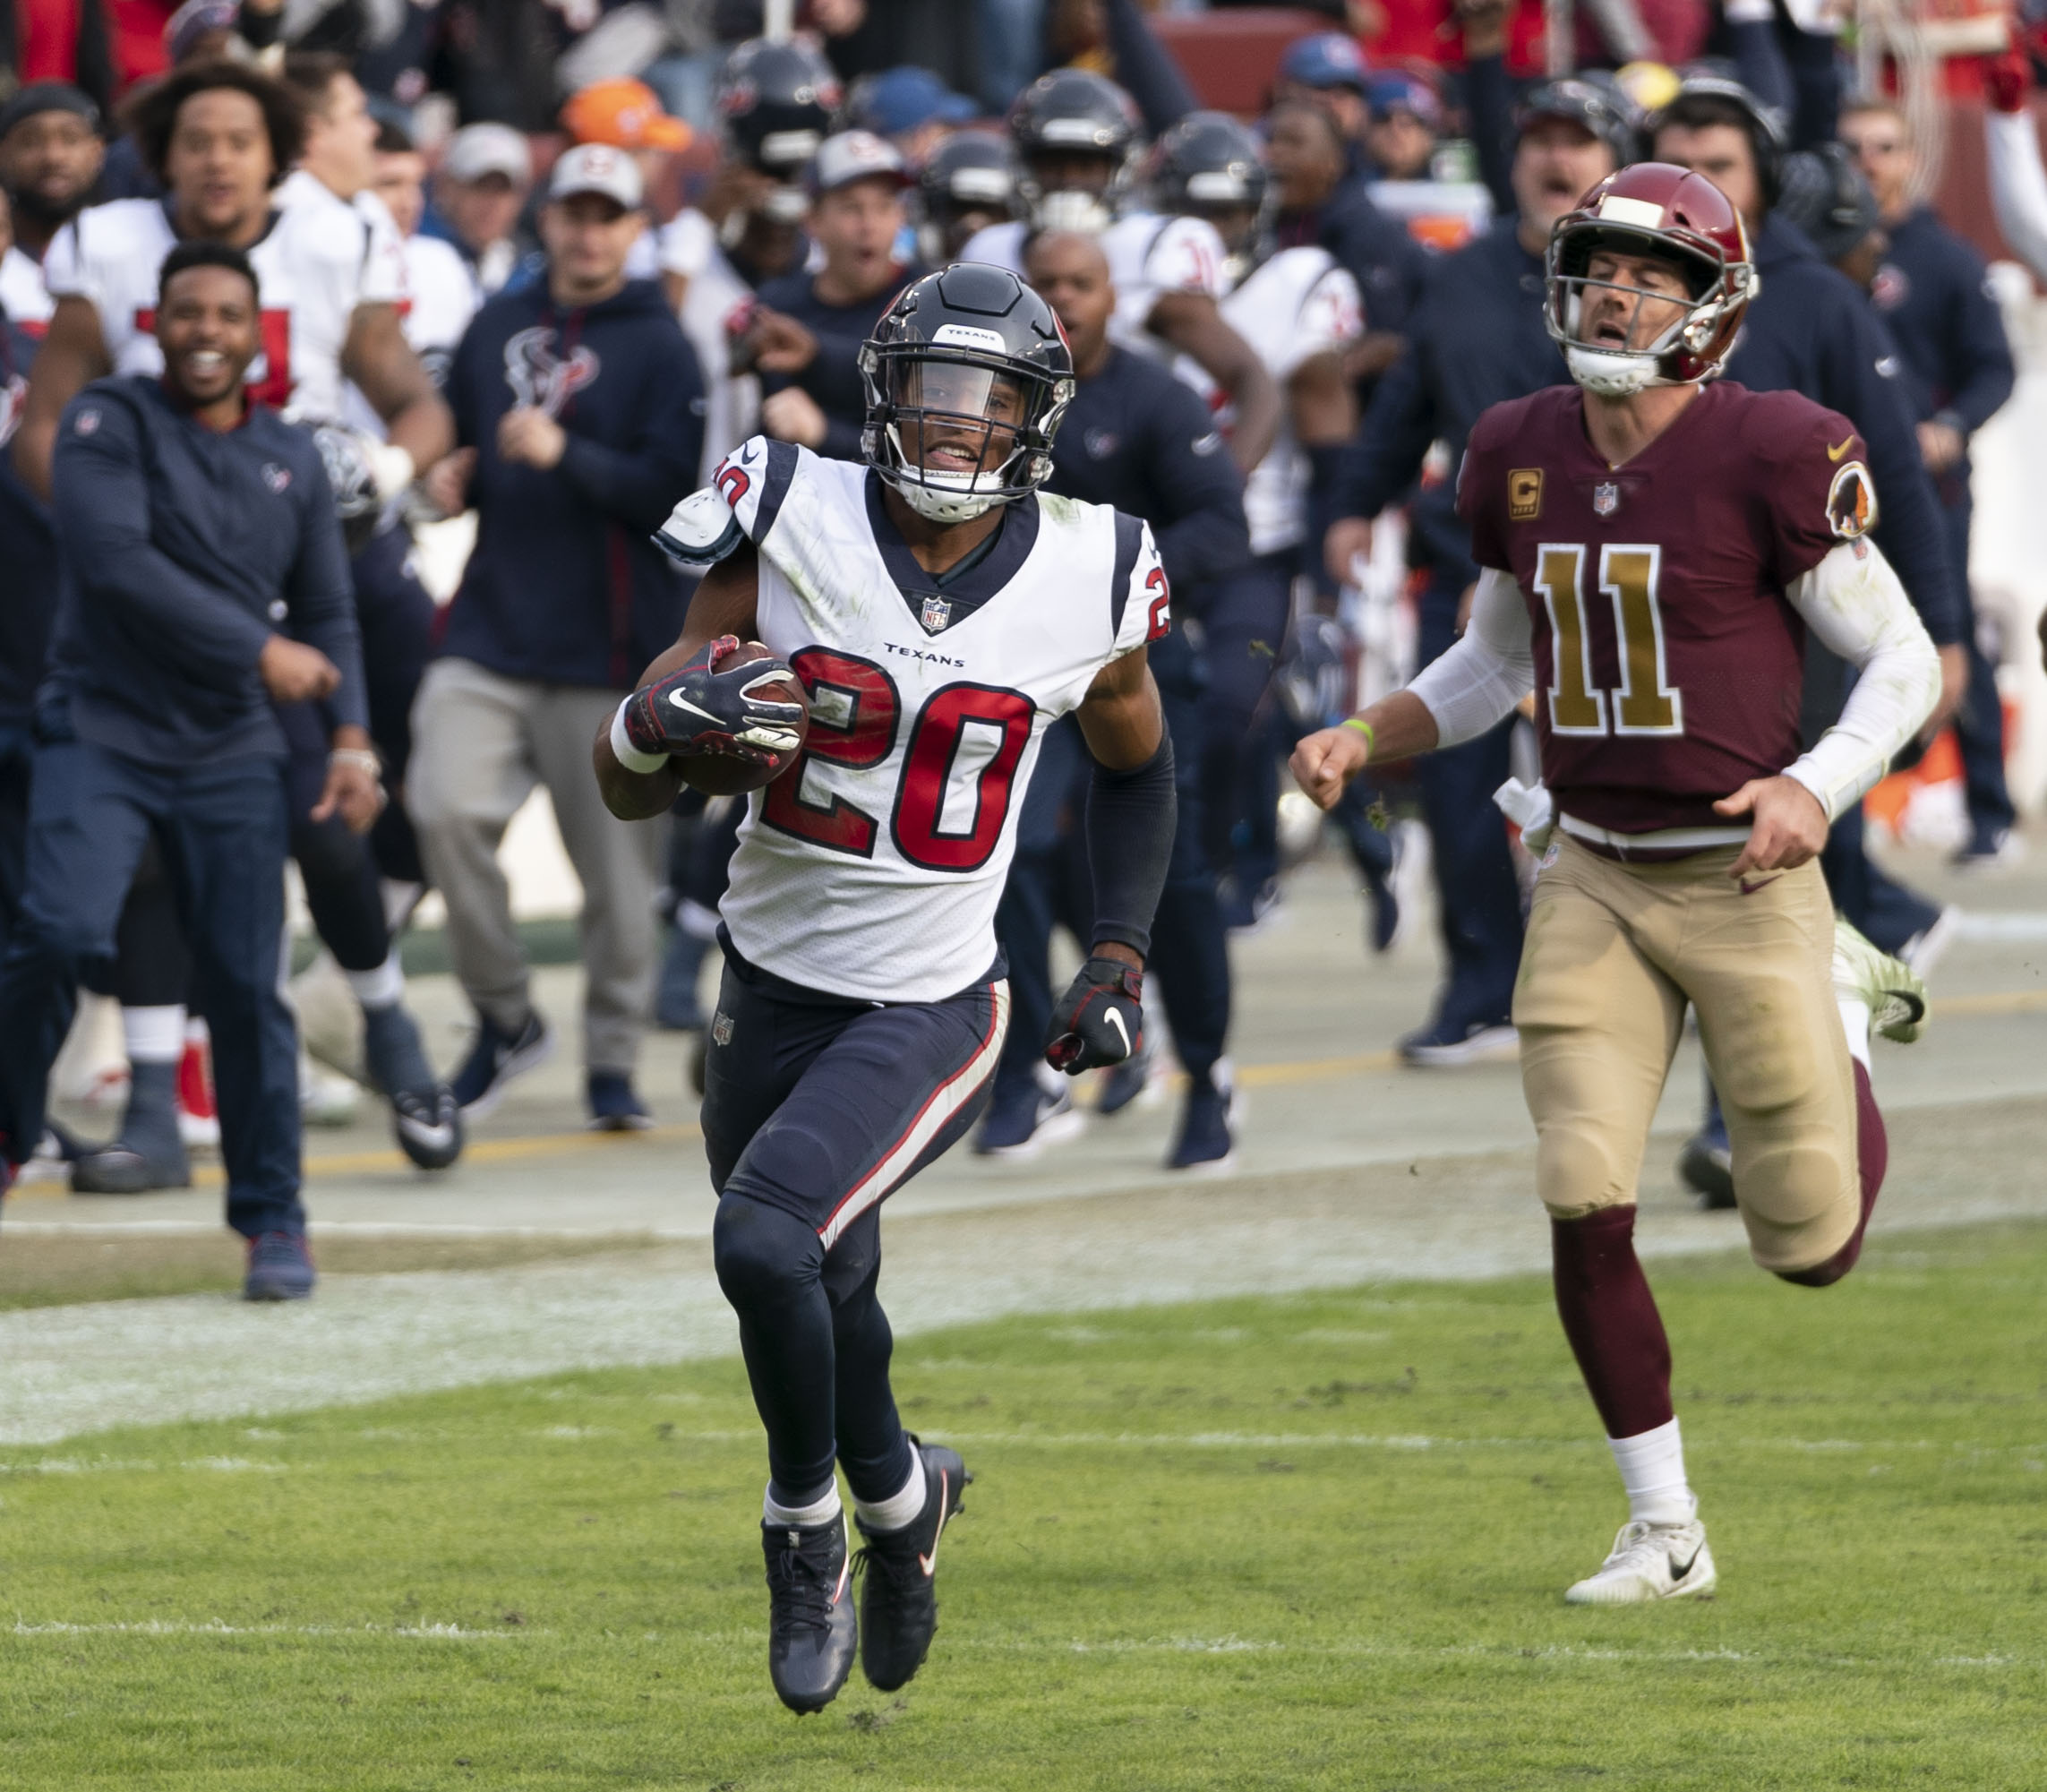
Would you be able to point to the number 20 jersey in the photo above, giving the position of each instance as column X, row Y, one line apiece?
column 872, row 867
column 1668, row 662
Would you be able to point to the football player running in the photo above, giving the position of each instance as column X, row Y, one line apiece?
column 940, row 614
column 1076, row 134
column 1655, row 549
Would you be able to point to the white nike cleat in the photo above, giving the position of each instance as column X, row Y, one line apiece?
column 1649, row 1561
column 1889, row 987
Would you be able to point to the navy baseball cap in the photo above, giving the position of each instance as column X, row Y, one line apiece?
column 47, row 96
column 1327, row 59
column 1392, row 90
column 903, row 97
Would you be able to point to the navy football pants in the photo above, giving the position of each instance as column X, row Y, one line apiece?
column 221, row 830
column 815, row 1111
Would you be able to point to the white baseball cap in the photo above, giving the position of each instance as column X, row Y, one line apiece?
column 479, row 150
column 851, row 155
column 596, row 167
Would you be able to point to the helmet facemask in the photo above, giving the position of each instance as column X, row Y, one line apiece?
column 1685, row 350
column 956, row 434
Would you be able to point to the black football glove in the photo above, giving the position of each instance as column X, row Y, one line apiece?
column 697, row 710
column 1101, row 1018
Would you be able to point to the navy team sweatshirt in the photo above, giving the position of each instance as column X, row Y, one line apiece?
column 565, row 586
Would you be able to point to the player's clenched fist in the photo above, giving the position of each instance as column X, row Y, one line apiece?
column 1101, row 1018
column 1326, row 762
column 699, row 710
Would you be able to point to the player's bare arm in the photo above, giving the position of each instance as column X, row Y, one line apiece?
column 1395, row 727
column 378, row 359
column 723, row 605
column 73, row 355
column 1322, row 401
column 1191, row 322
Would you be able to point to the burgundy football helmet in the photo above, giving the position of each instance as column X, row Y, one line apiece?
column 1651, row 208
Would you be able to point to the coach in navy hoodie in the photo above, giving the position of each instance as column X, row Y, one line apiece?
column 578, row 406
column 194, row 530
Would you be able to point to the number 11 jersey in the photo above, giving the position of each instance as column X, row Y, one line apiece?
column 873, row 866
column 1669, row 664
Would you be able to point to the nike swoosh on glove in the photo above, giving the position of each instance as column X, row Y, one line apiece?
column 697, row 710
column 1101, row 1018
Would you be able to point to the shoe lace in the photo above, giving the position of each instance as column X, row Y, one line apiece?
column 1641, row 1544
column 893, row 1555
column 800, row 1578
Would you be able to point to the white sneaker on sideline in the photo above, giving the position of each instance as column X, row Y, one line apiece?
column 1649, row 1561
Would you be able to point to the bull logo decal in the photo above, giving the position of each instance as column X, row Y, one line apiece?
column 540, row 377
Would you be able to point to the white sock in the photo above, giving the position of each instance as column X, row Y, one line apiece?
column 154, row 1035
column 1652, row 1469
column 899, row 1508
column 380, row 988
column 822, row 1510
column 1855, row 1023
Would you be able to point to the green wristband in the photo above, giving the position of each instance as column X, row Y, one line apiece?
column 1363, row 728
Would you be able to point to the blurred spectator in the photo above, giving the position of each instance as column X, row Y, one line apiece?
column 50, row 156
column 66, row 41
column 1825, row 196
column 1933, row 291
column 626, row 114
column 1432, row 32
column 1330, row 71
column 577, row 405
column 968, row 185
column 1317, row 208
column 864, row 38
column 910, row 106
column 806, row 336
column 1405, row 120
column 479, row 193
column 442, row 296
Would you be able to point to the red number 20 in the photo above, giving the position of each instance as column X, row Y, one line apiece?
column 1161, row 606
column 854, row 709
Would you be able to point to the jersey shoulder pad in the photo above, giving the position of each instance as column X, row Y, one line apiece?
column 754, row 479
column 1186, row 255
column 700, row 531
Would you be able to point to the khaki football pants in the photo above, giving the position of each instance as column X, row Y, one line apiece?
column 1614, row 952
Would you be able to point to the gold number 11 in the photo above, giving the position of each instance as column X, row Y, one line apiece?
column 1645, row 704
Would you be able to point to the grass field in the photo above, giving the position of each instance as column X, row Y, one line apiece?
column 1310, row 1541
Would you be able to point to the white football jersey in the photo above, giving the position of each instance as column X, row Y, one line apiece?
column 1148, row 255
column 1297, row 304
column 319, row 260
column 24, row 296
column 872, row 867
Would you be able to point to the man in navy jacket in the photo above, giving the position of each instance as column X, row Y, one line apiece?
column 28, row 551
column 578, row 406
column 1933, row 292
column 1476, row 339
column 192, row 527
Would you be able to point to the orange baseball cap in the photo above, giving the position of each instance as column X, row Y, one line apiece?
column 624, row 113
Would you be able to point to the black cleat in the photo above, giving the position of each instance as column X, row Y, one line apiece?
column 899, row 1595
column 811, row 1630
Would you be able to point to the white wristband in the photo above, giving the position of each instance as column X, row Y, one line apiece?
column 391, row 467
column 625, row 752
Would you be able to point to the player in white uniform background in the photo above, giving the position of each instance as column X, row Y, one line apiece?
column 222, row 139
column 1077, row 134
column 940, row 615
column 51, row 153
column 1300, row 311
column 439, row 294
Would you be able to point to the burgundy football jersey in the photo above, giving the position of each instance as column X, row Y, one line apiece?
column 1669, row 664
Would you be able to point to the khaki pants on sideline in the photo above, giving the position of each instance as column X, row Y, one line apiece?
column 1614, row 952
column 481, row 742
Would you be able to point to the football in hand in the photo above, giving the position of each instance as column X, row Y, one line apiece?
column 727, row 774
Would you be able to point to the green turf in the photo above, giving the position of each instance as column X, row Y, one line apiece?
column 1292, row 1542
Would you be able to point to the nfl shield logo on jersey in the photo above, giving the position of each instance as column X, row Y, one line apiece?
column 1606, row 499
column 936, row 613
